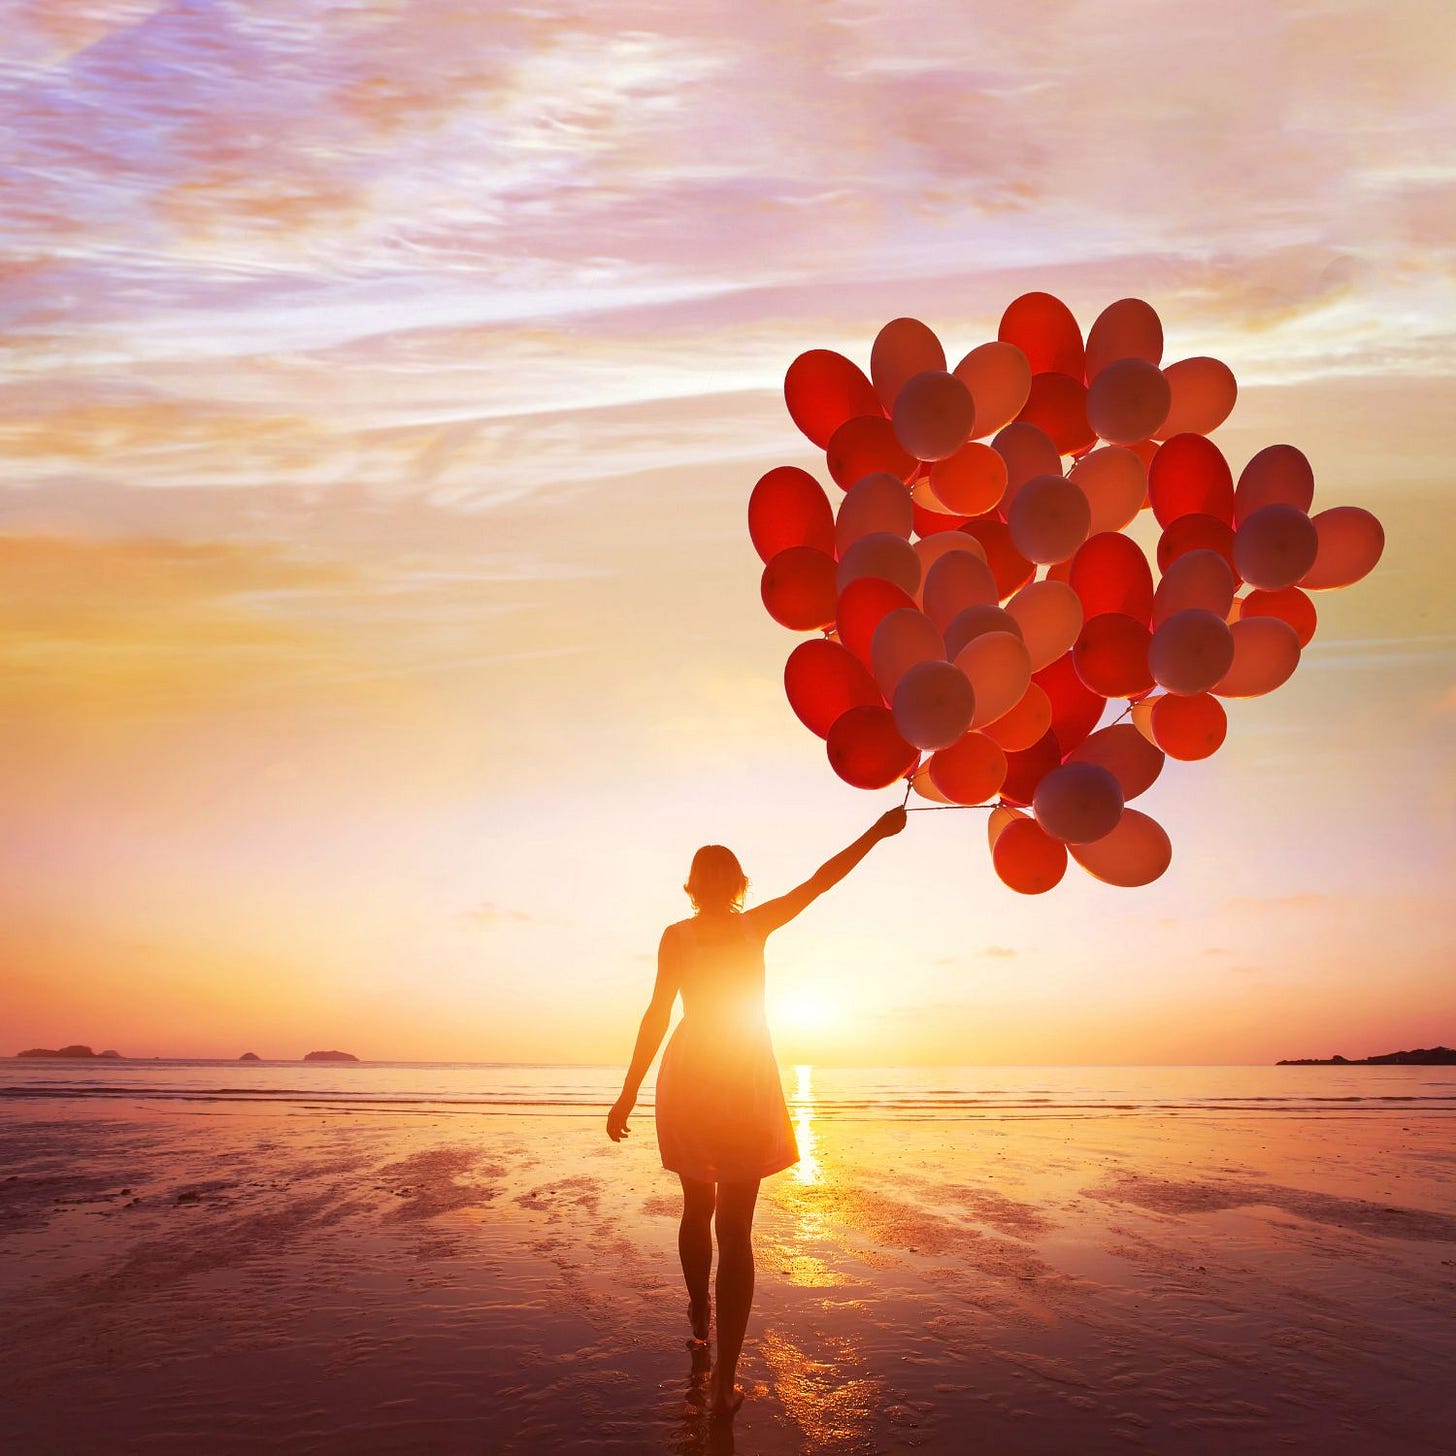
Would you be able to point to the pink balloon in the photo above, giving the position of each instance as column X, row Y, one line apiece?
column 1191, row 651
column 1275, row 546
column 1078, row 802
column 1277, row 475
column 876, row 503
column 933, row 704
column 1028, row 452
column 933, row 415
column 902, row 639
column 931, row 548
column 1125, row 754
column 1195, row 579
column 972, row 622
column 883, row 555
column 1049, row 518
column 958, row 580
column 1128, row 401
column 1135, row 853
column 1266, row 652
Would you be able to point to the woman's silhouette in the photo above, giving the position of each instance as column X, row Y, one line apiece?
column 722, row 1124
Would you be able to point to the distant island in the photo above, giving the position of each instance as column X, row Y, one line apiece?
column 1440, row 1056
column 331, row 1057
column 250, row 1057
column 69, row 1053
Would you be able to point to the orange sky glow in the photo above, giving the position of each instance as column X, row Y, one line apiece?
column 382, row 390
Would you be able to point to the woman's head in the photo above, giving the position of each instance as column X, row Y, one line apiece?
column 716, row 881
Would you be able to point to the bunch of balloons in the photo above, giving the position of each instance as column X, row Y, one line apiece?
column 979, row 603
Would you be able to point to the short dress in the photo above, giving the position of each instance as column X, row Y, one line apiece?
column 720, row 1110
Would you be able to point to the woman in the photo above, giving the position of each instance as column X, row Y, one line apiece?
column 722, row 1124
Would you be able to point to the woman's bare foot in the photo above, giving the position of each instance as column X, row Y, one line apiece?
column 698, row 1319
column 723, row 1400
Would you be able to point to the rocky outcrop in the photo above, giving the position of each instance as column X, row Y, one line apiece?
column 65, row 1052
column 331, row 1057
column 1440, row 1056
column 250, row 1057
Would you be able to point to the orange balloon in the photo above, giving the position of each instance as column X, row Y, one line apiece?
column 973, row 621
column 1128, row 401
column 1275, row 546
column 1187, row 728
column 1078, row 802
column 1049, row 518
column 972, row 480
column 998, row 668
column 1191, row 651
column 865, row 445
column 902, row 349
column 866, row 750
column 1044, row 329
column 1049, row 614
column 1195, row 579
column 1196, row 533
column 1027, row 859
column 931, row 548
column 1266, row 652
column 970, row 770
column 933, row 704
column 933, row 415
column 1351, row 541
column 998, row 819
column 1028, row 452
column 1127, row 329
column 1203, row 392
column 823, row 390
column 1115, row 482
column 1111, row 656
column 1026, row 723
column 923, row 785
column 1135, row 853
column 876, row 503
column 902, row 639
column 1277, row 475
column 880, row 554
column 1057, row 405
column 1291, row 605
column 788, row 507
column 798, row 588
column 1125, row 754
column 999, row 379
column 958, row 580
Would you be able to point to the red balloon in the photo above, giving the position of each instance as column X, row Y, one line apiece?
column 798, row 588
column 1127, row 329
column 1111, row 655
column 1124, row 753
column 1189, row 477
column 823, row 390
column 1111, row 574
column 1027, row 859
column 863, row 605
column 970, row 770
column 1028, row 452
column 1197, row 533
column 1044, row 329
column 1026, row 768
column 1076, row 709
column 1290, row 605
column 864, row 446
column 1078, row 802
column 865, row 749
column 902, row 349
column 823, row 680
column 1274, row 546
column 1277, row 475
column 1188, row 728
column 931, row 523
column 933, row 415
column 1057, row 405
column 1010, row 568
column 788, row 507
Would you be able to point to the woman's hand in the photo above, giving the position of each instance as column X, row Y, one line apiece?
column 890, row 823
column 617, row 1127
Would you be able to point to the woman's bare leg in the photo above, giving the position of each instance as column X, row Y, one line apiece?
column 695, row 1249
column 734, row 1220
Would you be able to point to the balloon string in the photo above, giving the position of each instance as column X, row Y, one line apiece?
column 938, row 808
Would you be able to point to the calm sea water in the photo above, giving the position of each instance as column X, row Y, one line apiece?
column 468, row 1088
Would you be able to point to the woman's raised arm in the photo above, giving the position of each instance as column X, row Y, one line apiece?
column 772, row 914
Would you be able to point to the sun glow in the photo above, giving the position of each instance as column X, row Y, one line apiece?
column 800, row 1010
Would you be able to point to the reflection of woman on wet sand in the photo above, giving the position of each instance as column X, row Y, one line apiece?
column 722, row 1124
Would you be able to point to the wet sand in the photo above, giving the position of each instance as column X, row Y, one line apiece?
column 235, row 1279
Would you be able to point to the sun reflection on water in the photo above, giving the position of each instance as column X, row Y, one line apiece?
column 801, row 1105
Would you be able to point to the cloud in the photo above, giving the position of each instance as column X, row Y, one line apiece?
column 488, row 912
column 1307, row 900
column 999, row 952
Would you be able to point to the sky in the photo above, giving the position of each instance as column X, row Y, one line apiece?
column 381, row 392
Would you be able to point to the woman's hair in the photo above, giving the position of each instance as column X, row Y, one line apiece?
column 716, row 881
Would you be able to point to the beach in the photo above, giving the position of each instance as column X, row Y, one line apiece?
column 210, row 1274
